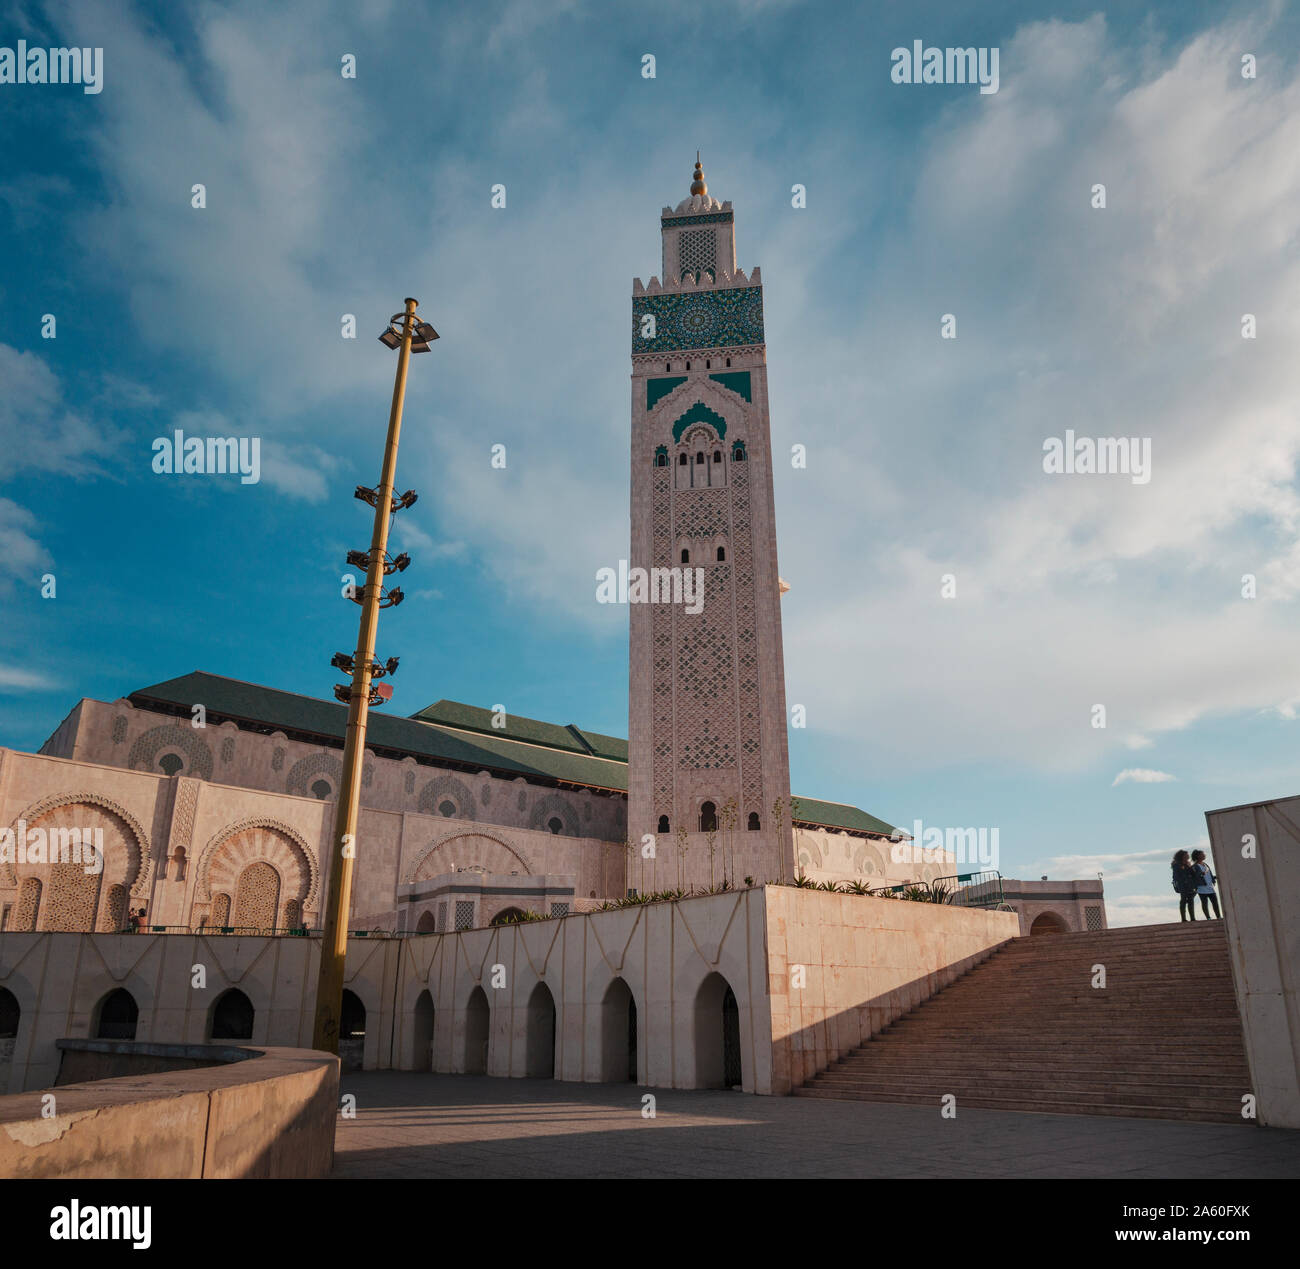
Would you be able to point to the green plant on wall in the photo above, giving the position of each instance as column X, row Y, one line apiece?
column 727, row 817
column 778, row 811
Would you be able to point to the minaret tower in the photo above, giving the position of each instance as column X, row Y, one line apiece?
column 709, row 771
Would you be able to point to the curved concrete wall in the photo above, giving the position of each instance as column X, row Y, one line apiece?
column 269, row 1115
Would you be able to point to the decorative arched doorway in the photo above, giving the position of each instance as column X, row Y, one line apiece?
column 539, row 1045
column 1049, row 923
column 10, row 1014
column 352, row 1032
column 116, row 1016
column 718, row 1061
column 232, row 1016
column 618, row 1034
column 422, row 1041
column 478, row 1018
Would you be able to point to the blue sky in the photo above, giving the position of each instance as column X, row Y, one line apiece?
column 328, row 196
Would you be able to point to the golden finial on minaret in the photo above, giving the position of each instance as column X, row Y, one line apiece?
column 697, row 185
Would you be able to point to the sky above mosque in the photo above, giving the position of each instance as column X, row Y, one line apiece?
column 958, row 608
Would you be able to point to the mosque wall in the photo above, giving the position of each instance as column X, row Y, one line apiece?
column 120, row 734
column 696, row 993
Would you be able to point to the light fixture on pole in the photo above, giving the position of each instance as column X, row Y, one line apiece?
column 407, row 334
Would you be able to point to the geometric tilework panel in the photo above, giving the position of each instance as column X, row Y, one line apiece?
column 696, row 252
column 71, row 899
column 157, row 741
column 29, row 904
column 258, row 897
column 699, row 319
column 447, row 789
column 302, row 772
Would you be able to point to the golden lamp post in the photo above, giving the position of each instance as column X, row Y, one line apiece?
column 407, row 334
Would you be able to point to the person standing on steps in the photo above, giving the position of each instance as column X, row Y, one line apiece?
column 1186, row 881
column 1205, row 885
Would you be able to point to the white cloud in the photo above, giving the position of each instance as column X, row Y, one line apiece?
column 17, row 679
column 1142, row 775
column 1072, row 591
column 1141, row 909
column 38, row 431
column 1115, row 865
column 22, row 557
column 298, row 469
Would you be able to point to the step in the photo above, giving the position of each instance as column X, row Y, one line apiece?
column 1121, row 1086
column 1198, row 1115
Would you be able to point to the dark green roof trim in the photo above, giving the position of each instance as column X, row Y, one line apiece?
column 448, row 733
column 705, row 218
column 512, row 727
column 657, row 389
column 737, row 381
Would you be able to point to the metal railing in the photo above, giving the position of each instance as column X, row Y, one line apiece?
column 278, row 931
column 981, row 889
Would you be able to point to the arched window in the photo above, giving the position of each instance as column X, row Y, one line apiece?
column 688, row 365
column 321, row 790
column 116, row 1016
column 668, row 365
column 699, row 458
column 753, row 821
column 708, row 817
column 728, row 362
column 737, row 453
column 717, row 456
column 178, row 861
column 661, row 459
column 9, row 1014
column 663, row 824
column 722, row 554
column 352, row 1032
column 171, row 763
column 446, row 808
column 352, row 1023
column 555, row 824
column 232, row 1016
column 708, row 365
column 686, row 556
column 681, row 460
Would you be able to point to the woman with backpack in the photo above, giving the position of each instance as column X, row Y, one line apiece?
column 1205, row 885
column 1186, row 880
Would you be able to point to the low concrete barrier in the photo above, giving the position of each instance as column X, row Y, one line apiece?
column 244, row 1113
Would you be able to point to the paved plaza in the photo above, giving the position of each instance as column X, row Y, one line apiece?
column 419, row 1125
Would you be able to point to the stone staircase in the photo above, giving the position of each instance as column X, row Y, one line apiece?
column 1026, row 1030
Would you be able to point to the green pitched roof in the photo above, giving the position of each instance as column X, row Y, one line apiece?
column 838, row 815
column 270, row 709
column 448, row 731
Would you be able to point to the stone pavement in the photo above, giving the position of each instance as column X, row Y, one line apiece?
column 418, row 1125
